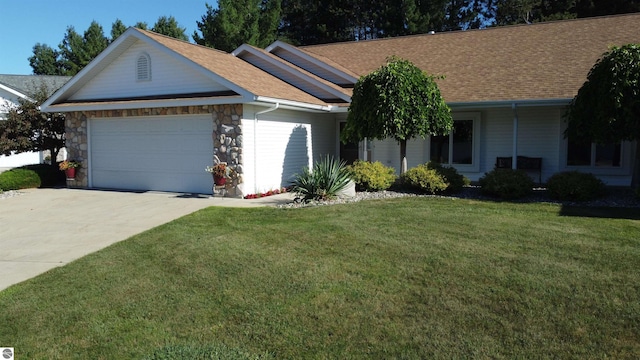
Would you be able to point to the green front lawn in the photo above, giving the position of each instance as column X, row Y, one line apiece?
column 415, row 278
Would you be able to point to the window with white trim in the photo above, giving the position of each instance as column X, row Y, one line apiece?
column 592, row 154
column 460, row 147
column 143, row 67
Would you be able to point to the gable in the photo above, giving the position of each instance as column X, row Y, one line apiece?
column 168, row 76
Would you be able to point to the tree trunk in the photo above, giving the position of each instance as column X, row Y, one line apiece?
column 53, row 152
column 403, row 156
column 635, row 175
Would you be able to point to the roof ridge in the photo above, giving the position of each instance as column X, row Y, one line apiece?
column 153, row 33
column 492, row 28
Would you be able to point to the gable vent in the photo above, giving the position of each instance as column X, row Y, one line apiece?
column 143, row 68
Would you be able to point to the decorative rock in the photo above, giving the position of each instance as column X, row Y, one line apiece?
column 227, row 141
column 239, row 139
column 227, row 129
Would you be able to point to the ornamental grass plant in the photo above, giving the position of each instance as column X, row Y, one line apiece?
column 327, row 178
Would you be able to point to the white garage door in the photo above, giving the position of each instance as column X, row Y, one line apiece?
column 163, row 153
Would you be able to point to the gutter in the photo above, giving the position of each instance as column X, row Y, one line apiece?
column 255, row 144
column 295, row 104
column 509, row 103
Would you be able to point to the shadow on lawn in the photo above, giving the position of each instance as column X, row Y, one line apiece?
column 601, row 212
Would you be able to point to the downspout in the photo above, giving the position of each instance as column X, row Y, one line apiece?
column 255, row 144
column 514, row 156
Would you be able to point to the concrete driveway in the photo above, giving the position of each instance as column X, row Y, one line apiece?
column 44, row 228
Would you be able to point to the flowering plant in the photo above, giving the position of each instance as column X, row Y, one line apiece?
column 219, row 170
column 68, row 164
column 268, row 193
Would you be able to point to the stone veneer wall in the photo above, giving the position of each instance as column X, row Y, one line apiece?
column 227, row 137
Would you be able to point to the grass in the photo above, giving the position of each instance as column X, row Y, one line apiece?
column 406, row 278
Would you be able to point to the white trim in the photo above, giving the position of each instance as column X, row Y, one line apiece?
column 122, row 43
column 474, row 167
column 625, row 168
column 15, row 92
column 295, row 104
column 89, row 154
column 124, row 105
column 294, row 50
column 292, row 71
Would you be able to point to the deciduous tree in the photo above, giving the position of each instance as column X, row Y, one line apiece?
column 607, row 107
column 28, row 129
column 397, row 101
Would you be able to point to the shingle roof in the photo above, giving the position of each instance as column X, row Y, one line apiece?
column 235, row 70
column 525, row 62
column 336, row 88
column 26, row 84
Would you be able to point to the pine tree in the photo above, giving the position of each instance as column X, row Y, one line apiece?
column 169, row 26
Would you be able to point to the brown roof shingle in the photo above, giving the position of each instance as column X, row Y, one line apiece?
column 525, row 62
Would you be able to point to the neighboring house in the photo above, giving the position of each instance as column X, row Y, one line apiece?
column 151, row 112
column 12, row 89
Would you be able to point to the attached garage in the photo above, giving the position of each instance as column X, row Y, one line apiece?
column 165, row 153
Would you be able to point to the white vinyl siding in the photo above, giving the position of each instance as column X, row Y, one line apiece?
column 151, row 153
column 387, row 152
column 119, row 79
column 21, row 159
column 284, row 143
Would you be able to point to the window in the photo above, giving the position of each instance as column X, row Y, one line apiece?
column 457, row 148
column 143, row 68
column 590, row 154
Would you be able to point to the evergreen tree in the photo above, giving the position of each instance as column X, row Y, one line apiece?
column 94, row 42
column 589, row 8
column 169, row 26
column 44, row 60
column 71, row 52
column 141, row 25
column 117, row 29
column 235, row 22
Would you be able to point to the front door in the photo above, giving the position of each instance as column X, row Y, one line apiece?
column 348, row 151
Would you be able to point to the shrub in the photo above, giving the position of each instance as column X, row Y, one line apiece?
column 574, row 186
column 49, row 175
column 329, row 177
column 455, row 181
column 371, row 176
column 19, row 178
column 506, row 183
column 424, row 179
